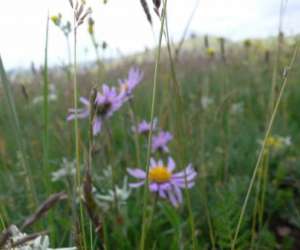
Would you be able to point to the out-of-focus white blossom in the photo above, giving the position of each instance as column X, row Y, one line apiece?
column 39, row 243
column 237, row 108
column 52, row 96
column 121, row 194
column 68, row 168
column 206, row 101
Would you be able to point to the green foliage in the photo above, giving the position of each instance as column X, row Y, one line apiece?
column 225, row 214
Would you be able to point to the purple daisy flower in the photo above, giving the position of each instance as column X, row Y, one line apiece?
column 163, row 181
column 106, row 103
column 145, row 127
column 135, row 76
column 160, row 141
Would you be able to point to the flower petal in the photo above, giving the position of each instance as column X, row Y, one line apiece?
column 96, row 126
column 178, row 193
column 162, row 193
column 172, row 198
column 152, row 163
column 154, row 187
column 171, row 164
column 137, row 173
column 84, row 101
column 136, row 184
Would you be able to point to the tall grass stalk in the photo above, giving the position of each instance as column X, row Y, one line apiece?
column 46, row 101
column 155, row 79
column 18, row 134
column 180, row 125
column 277, row 57
column 258, row 203
column 76, row 131
column 265, row 173
column 261, row 153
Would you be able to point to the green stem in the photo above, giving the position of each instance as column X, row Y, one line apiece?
column 277, row 59
column 264, row 187
column 46, row 102
column 146, row 191
column 76, row 134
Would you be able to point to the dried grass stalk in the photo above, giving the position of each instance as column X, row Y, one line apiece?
column 44, row 208
column 146, row 10
column 80, row 12
column 91, row 206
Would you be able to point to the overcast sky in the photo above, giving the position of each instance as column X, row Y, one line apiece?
column 122, row 24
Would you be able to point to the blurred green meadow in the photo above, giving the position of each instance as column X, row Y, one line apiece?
column 215, row 96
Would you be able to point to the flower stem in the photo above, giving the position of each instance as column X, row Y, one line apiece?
column 76, row 133
column 146, row 192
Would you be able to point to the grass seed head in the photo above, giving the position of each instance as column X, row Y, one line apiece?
column 146, row 11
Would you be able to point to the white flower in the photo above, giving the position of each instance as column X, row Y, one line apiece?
column 206, row 101
column 237, row 108
column 119, row 194
column 40, row 243
column 67, row 169
column 52, row 96
column 287, row 141
column 106, row 175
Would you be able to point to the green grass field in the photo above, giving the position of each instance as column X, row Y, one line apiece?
column 234, row 116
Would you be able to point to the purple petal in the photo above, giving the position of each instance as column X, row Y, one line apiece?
column 152, row 163
column 136, row 184
column 79, row 113
column 137, row 173
column 171, row 164
column 96, row 126
column 178, row 193
column 186, row 172
column 105, row 89
column 84, row 101
column 172, row 198
column 165, row 149
column 153, row 187
column 162, row 193
column 71, row 117
column 182, row 184
column 186, row 178
column 165, row 186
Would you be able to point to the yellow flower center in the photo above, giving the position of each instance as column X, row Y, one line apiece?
column 159, row 174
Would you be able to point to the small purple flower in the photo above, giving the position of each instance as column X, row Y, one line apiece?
column 145, row 127
column 163, row 181
column 106, row 103
column 135, row 76
column 160, row 141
